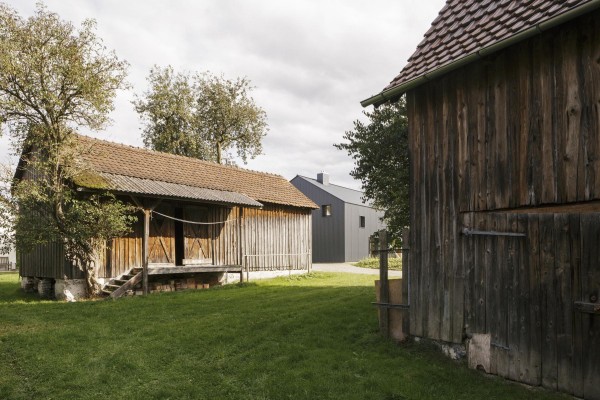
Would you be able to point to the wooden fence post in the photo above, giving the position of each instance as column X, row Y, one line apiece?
column 406, row 280
column 384, row 293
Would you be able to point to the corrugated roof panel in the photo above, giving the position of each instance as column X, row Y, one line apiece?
column 128, row 184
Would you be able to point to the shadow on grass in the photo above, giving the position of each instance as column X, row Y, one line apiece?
column 10, row 289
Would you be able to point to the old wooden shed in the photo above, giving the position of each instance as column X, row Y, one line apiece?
column 504, row 120
column 203, row 220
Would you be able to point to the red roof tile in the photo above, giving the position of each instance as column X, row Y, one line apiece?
column 155, row 171
column 464, row 27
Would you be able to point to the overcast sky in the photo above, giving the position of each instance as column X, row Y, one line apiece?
column 311, row 62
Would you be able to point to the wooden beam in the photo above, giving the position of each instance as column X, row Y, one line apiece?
column 145, row 254
column 187, row 269
column 240, row 241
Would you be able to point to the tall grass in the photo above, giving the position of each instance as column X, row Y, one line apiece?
column 307, row 337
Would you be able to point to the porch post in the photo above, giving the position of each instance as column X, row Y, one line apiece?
column 145, row 255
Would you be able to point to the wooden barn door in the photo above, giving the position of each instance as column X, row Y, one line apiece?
column 161, row 242
column 535, row 296
column 586, row 321
column 197, row 238
column 496, row 288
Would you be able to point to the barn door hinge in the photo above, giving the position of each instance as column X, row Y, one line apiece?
column 473, row 232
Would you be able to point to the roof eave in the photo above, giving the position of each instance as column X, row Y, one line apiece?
column 395, row 92
column 118, row 192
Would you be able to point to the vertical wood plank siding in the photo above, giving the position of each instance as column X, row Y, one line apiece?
column 274, row 238
column 47, row 261
column 520, row 128
column 277, row 238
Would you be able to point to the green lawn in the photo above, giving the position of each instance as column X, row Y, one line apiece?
column 311, row 337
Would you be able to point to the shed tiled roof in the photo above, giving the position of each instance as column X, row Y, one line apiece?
column 466, row 27
column 136, row 170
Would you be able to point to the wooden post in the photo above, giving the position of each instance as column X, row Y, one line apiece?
column 406, row 279
column 145, row 251
column 240, row 241
column 384, row 294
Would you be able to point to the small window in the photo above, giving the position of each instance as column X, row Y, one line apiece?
column 326, row 210
column 361, row 221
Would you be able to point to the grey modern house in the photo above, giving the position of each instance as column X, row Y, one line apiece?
column 342, row 224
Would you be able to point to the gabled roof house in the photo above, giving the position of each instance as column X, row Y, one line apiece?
column 504, row 128
column 204, row 219
column 343, row 223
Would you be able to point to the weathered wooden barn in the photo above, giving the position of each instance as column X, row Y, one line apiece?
column 504, row 120
column 200, row 220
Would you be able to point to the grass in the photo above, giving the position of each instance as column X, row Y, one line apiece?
column 373, row 262
column 306, row 337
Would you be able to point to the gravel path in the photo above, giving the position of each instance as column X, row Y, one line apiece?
column 347, row 267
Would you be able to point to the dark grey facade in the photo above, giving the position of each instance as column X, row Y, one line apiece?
column 343, row 223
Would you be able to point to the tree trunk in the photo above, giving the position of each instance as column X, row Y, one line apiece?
column 219, row 152
column 92, row 285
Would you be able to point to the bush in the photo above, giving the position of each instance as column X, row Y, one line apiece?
column 394, row 263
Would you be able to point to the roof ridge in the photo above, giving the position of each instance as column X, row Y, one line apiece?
column 331, row 184
column 176, row 156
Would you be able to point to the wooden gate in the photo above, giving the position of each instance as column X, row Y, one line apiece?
column 535, row 295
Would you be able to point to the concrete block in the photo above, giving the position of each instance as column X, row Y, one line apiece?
column 70, row 289
column 478, row 351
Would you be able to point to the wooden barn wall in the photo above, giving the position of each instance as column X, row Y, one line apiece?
column 225, row 236
column 520, row 128
column 123, row 253
column 198, row 243
column 47, row 261
column 522, row 290
column 277, row 238
column 274, row 238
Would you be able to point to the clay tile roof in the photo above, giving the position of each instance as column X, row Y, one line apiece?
column 465, row 27
column 135, row 170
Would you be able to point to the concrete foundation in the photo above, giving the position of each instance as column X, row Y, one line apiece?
column 254, row 275
column 28, row 284
column 45, row 288
column 455, row 351
column 70, row 289
column 479, row 349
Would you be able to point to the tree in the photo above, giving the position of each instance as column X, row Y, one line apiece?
column 202, row 116
column 55, row 78
column 379, row 148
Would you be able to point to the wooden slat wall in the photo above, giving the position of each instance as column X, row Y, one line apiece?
column 47, row 261
column 276, row 230
column 528, row 286
column 519, row 128
column 225, row 250
column 123, row 253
